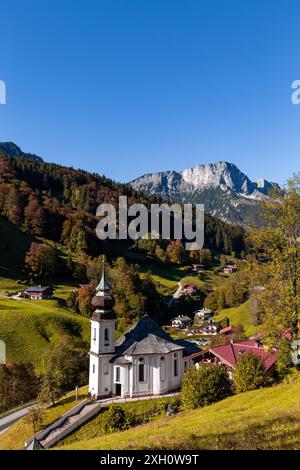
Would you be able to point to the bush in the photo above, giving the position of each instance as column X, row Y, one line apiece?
column 116, row 419
column 204, row 385
column 284, row 360
column 249, row 374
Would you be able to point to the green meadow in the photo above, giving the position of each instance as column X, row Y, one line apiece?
column 265, row 419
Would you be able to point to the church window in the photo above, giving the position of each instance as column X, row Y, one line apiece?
column 141, row 370
column 95, row 334
column 94, row 368
column 106, row 337
column 105, row 369
column 117, row 374
column 162, row 369
column 175, row 366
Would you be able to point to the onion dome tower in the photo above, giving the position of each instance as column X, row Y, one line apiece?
column 103, row 302
column 102, row 340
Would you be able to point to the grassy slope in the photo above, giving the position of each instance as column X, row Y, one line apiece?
column 263, row 419
column 15, row 437
column 167, row 277
column 239, row 316
column 29, row 328
column 154, row 409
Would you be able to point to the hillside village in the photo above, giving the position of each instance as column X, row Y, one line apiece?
column 111, row 338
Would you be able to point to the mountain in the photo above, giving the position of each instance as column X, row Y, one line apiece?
column 12, row 150
column 226, row 192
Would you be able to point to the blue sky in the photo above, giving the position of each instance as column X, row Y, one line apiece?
column 126, row 87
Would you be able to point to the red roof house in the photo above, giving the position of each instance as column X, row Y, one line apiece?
column 230, row 353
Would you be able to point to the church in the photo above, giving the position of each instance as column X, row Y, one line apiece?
column 144, row 361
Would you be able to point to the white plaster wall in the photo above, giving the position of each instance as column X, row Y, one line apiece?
column 100, row 383
column 97, row 341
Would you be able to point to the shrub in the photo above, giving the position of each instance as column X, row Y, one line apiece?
column 249, row 373
column 284, row 360
column 116, row 419
column 205, row 385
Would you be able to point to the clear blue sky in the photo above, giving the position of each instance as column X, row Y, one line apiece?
column 126, row 87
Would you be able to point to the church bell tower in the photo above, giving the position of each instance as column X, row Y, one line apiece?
column 102, row 341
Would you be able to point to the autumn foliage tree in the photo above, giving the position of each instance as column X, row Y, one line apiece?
column 273, row 271
column 18, row 384
column 84, row 299
column 41, row 261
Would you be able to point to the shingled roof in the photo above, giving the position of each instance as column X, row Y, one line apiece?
column 146, row 337
column 230, row 353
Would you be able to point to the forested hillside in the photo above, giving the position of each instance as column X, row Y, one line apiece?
column 59, row 204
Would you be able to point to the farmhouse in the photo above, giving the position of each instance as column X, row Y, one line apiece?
column 144, row 361
column 182, row 321
column 228, row 268
column 210, row 327
column 190, row 289
column 203, row 314
column 198, row 267
column 38, row 293
column 230, row 353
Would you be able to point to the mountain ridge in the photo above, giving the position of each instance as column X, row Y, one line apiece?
column 222, row 187
column 12, row 150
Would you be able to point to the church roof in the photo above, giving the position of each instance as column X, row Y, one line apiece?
column 152, row 344
column 146, row 337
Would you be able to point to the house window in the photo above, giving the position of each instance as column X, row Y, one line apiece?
column 106, row 337
column 95, row 334
column 118, row 374
column 175, row 366
column 141, row 370
column 162, row 369
column 94, row 368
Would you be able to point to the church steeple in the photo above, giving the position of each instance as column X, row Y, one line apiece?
column 102, row 339
column 103, row 302
column 103, row 285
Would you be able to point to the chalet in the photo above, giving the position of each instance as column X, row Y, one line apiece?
column 228, row 268
column 230, row 353
column 210, row 328
column 198, row 267
column 182, row 321
column 38, row 293
column 202, row 315
column 189, row 289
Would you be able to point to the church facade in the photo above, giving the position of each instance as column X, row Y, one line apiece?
column 144, row 361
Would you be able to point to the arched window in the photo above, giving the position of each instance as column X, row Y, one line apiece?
column 106, row 337
column 118, row 374
column 175, row 365
column 141, row 370
column 95, row 334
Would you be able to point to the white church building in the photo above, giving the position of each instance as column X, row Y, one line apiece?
column 144, row 361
